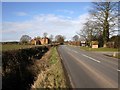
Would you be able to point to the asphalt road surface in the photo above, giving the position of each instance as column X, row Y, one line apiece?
column 89, row 69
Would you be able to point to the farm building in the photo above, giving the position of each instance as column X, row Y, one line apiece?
column 41, row 41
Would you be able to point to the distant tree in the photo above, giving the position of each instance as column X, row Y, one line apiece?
column 25, row 39
column 45, row 34
column 51, row 38
column 75, row 38
column 60, row 38
column 38, row 37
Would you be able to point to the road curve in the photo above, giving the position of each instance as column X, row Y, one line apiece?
column 88, row 69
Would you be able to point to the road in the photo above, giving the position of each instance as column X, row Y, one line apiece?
column 89, row 69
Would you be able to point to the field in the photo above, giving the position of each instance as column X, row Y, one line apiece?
column 7, row 47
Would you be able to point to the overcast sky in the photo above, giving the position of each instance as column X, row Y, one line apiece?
column 35, row 18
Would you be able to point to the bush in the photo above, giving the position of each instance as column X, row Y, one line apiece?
column 19, row 69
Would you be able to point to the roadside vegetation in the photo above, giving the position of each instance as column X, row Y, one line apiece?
column 115, row 56
column 19, row 67
column 100, row 49
column 104, row 49
column 53, row 75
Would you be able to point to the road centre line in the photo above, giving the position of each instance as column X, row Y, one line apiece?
column 74, row 51
column 91, row 58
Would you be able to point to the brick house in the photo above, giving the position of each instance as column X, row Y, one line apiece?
column 41, row 41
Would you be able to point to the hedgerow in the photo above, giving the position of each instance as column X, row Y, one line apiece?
column 19, row 69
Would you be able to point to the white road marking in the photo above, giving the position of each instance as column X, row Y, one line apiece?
column 118, row 70
column 72, row 50
column 91, row 58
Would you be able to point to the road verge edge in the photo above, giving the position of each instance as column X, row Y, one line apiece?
column 65, row 71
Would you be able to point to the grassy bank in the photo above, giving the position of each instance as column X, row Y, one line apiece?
column 53, row 75
column 99, row 49
column 115, row 56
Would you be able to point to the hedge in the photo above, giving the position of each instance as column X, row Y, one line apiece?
column 19, row 69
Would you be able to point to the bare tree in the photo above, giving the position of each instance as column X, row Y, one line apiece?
column 91, row 31
column 60, row 39
column 45, row 34
column 105, row 13
column 38, row 37
column 51, row 38
column 25, row 39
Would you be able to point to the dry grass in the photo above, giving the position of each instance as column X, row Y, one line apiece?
column 52, row 76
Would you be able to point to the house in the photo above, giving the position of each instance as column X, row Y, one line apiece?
column 33, row 42
column 45, row 41
column 40, row 41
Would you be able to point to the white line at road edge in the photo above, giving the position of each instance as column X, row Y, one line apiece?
column 118, row 70
column 91, row 58
column 61, row 57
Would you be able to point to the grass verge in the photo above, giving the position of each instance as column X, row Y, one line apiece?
column 99, row 49
column 115, row 56
column 53, row 75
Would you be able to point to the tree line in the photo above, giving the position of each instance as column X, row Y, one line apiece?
column 25, row 39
